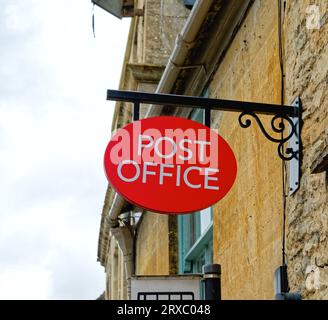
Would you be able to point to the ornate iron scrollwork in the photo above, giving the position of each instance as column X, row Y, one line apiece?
column 277, row 126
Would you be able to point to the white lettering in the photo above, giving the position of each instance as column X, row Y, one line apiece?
column 162, row 173
column 146, row 172
column 176, row 173
column 167, row 156
column 119, row 171
column 178, row 176
column 185, row 177
column 141, row 144
column 185, row 149
column 202, row 151
column 207, row 178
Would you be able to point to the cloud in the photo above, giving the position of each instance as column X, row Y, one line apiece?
column 54, row 125
column 19, row 283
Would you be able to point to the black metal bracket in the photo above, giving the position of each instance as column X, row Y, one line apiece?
column 285, row 123
column 278, row 126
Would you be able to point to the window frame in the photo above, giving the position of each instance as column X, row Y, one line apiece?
column 196, row 247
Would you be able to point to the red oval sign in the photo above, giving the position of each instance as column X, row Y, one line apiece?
column 170, row 165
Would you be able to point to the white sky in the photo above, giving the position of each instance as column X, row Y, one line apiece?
column 54, row 127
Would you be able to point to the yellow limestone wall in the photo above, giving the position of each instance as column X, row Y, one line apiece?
column 152, row 250
column 248, row 221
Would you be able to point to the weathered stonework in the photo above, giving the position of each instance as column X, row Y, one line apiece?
column 306, row 53
column 152, row 252
column 163, row 21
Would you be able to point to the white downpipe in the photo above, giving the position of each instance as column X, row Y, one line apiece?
column 115, row 211
column 124, row 240
column 184, row 42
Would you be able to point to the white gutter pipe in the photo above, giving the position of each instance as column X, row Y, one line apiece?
column 184, row 42
column 123, row 237
column 115, row 211
column 124, row 240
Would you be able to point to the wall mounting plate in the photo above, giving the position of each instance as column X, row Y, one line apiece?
column 295, row 145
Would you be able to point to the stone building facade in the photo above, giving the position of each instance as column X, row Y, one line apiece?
column 261, row 51
column 306, row 54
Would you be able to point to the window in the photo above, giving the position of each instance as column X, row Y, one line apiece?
column 195, row 241
column 195, row 233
